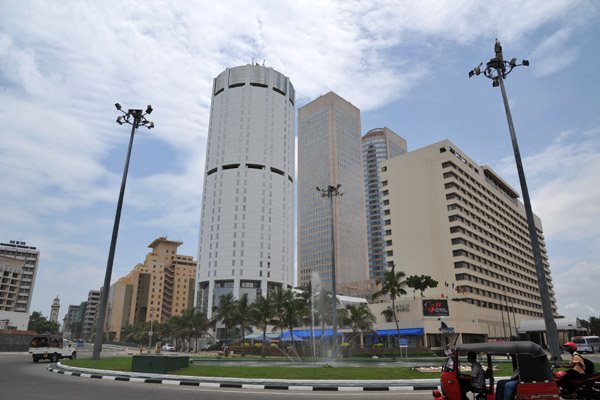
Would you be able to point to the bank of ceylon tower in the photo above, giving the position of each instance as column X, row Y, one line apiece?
column 246, row 242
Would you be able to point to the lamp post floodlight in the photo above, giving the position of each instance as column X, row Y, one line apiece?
column 135, row 118
column 151, row 331
column 497, row 70
column 331, row 192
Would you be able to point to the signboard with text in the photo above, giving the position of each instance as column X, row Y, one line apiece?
column 435, row 308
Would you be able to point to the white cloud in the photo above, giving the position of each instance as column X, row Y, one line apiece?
column 562, row 179
column 554, row 53
column 573, row 286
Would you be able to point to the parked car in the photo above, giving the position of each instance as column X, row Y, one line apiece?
column 168, row 347
column 209, row 347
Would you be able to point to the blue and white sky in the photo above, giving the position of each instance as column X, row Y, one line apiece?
column 63, row 65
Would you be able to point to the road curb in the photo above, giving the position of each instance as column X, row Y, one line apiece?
column 237, row 383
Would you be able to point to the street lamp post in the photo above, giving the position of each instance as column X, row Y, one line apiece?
column 151, row 324
column 135, row 118
column 331, row 192
column 497, row 69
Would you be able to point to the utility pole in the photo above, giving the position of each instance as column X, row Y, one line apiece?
column 151, row 324
column 331, row 192
column 497, row 70
column 135, row 118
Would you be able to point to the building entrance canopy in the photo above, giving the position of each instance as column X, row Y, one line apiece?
column 403, row 332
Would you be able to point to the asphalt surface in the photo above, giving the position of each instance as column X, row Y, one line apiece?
column 20, row 379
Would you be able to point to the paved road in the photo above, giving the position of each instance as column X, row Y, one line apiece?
column 21, row 379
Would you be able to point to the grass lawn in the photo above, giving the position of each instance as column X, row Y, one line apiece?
column 277, row 372
column 113, row 363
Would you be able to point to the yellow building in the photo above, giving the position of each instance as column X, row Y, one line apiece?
column 161, row 287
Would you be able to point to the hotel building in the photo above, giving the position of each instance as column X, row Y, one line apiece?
column 329, row 153
column 461, row 223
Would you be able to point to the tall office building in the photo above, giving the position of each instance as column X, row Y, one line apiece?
column 18, row 268
column 90, row 313
column 246, row 242
column 329, row 153
column 72, row 322
column 462, row 224
column 378, row 145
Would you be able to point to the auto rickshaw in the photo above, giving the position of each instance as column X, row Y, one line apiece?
column 536, row 380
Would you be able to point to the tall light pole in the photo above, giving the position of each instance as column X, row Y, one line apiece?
column 135, row 118
column 330, row 192
column 151, row 324
column 497, row 69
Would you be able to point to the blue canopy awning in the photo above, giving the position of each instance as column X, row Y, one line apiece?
column 403, row 332
column 305, row 333
column 288, row 338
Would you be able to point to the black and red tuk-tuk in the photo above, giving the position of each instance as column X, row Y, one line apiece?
column 536, row 380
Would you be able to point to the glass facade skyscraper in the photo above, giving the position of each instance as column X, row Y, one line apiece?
column 329, row 153
column 378, row 145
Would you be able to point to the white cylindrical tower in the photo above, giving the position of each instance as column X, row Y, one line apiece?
column 246, row 242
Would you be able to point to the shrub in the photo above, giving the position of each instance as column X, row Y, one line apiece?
column 274, row 345
column 344, row 345
column 378, row 345
column 257, row 344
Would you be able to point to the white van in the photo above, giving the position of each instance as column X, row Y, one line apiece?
column 587, row 344
column 50, row 347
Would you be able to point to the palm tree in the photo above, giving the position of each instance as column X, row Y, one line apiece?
column 261, row 316
column 291, row 316
column 392, row 283
column 137, row 333
column 280, row 298
column 196, row 325
column 224, row 312
column 359, row 317
column 241, row 316
column 167, row 329
column 179, row 329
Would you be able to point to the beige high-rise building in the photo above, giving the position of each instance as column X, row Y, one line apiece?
column 329, row 153
column 161, row 287
column 461, row 223
column 18, row 269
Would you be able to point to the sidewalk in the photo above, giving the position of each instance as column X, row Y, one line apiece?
column 275, row 384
